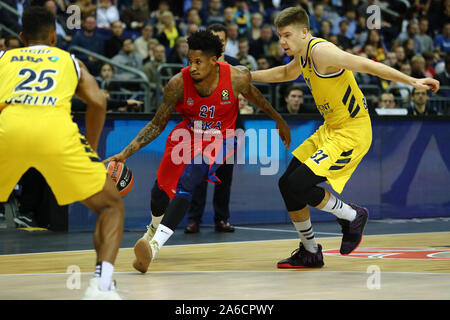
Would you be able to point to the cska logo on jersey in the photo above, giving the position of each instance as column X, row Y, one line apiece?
column 190, row 102
column 225, row 95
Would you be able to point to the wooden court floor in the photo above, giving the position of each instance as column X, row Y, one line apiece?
column 401, row 266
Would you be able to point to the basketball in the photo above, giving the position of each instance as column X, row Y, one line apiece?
column 122, row 176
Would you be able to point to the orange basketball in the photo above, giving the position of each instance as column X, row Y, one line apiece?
column 122, row 176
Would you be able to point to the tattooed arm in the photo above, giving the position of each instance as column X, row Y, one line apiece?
column 241, row 80
column 173, row 91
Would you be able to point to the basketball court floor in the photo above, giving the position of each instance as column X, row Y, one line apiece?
column 397, row 260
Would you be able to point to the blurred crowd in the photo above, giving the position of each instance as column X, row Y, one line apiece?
column 414, row 37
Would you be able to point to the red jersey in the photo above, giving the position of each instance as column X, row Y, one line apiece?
column 206, row 115
column 217, row 111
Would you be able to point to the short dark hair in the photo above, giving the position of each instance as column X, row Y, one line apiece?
column 37, row 23
column 217, row 27
column 207, row 42
column 292, row 88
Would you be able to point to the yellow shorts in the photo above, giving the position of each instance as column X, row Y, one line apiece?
column 47, row 139
column 334, row 153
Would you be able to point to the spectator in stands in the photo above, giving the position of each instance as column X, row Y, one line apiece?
column 260, row 47
column 408, row 46
column 63, row 34
column 391, row 60
column 191, row 28
column 167, row 30
column 87, row 7
column 221, row 31
column 315, row 19
column 151, row 71
column 163, row 6
column 10, row 20
column 151, row 68
column 107, row 13
column 442, row 40
column 179, row 54
column 232, row 47
column 244, row 58
column 444, row 77
column 12, row 42
column 128, row 57
column 242, row 16
column 420, row 106
column 141, row 43
column 350, row 16
column 254, row 31
column 374, row 39
column 400, row 88
column 412, row 33
column 152, row 43
column 263, row 63
column 214, row 13
column 192, row 18
column 293, row 97
column 325, row 29
column 136, row 16
column 2, row 44
column 87, row 39
column 387, row 101
column 344, row 42
column 228, row 16
column 244, row 108
column 430, row 59
column 276, row 55
column 418, row 67
column 114, row 44
column 400, row 53
column 424, row 37
column 107, row 73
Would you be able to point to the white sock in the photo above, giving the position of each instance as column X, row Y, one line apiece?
column 306, row 233
column 104, row 271
column 339, row 209
column 162, row 234
column 156, row 220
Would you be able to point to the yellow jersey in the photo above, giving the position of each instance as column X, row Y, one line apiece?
column 38, row 76
column 337, row 96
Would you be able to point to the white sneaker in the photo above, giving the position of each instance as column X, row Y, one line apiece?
column 151, row 230
column 145, row 253
column 94, row 293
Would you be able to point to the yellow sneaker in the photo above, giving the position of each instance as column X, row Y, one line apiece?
column 150, row 232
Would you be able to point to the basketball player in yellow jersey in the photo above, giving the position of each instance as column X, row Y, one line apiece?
column 333, row 152
column 36, row 130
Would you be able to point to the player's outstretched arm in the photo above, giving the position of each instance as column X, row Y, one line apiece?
column 328, row 55
column 288, row 72
column 173, row 91
column 242, row 84
column 90, row 93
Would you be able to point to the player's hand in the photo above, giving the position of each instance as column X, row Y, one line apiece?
column 118, row 157
column 284, row 132
column 426, row 83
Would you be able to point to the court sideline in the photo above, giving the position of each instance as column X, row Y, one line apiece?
column 398, row 259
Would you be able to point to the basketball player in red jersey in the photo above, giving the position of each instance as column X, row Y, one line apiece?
column 205, row 94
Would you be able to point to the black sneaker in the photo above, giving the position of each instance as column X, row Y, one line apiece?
column 353, row 230
column 26, row 220
column 302, row 258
